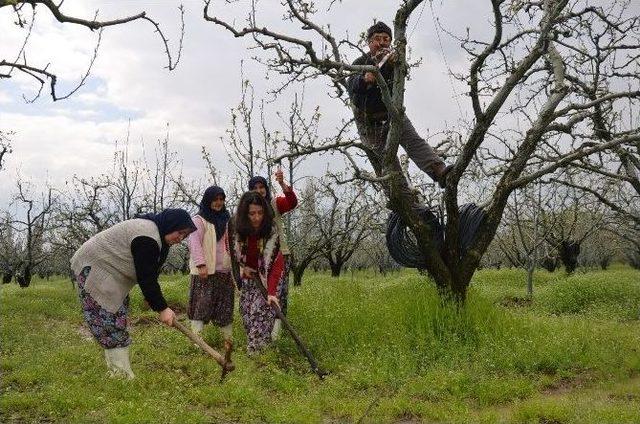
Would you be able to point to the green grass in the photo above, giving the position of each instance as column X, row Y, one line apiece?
column 395, row 353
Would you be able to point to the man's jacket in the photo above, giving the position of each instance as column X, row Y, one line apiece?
column 367, row 99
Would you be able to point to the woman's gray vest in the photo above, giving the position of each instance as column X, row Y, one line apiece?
column 108, row 253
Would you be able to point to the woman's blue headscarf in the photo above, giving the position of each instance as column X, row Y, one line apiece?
column 218, row 218
column 168, row 221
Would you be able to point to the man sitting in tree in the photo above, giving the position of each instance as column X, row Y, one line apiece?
column 370, row 112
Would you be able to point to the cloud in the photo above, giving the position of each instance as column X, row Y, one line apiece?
column 5, row 98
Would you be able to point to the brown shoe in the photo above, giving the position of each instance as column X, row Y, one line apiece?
column 228, row 365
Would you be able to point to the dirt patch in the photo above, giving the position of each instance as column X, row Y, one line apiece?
column 84, row 332
column 516, row 302
column 18, row 419
column 407, row 418
column 626, row 397
column 177, row 307
column 566, row 384
column 143, row 321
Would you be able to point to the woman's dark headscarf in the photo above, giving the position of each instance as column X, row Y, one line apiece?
column 258, row 179
column 168, row 221
column 218, row 218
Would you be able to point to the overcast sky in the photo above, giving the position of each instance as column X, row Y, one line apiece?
column 55, row 140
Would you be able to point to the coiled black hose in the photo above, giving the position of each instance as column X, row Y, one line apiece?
column 402, row 244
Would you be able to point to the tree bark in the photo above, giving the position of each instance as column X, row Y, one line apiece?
column 24, row 279
column 530, row 270
column 549, row 263
column 569, row 251
column 298, row 269
column 336, row 268
column 298, row 272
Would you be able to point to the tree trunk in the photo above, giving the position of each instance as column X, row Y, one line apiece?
column 184, row 269
column 24, row 280
column 549, row 263
column 530, row 270
column 634, row 259
column 455, row 290
column 569, row 251
column 299, row 267
column 382, row 269
column 336, row 268
column 7, row 277
column 298, row 272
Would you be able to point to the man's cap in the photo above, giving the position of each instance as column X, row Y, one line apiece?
column 378, row 27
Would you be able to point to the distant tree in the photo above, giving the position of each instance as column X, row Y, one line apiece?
column 5, row 146
column 522, row 235
column 178, row 260
column 189, row 193
column 35, row 224
column 633, row 252
column 125, row 182
column 91, row 205
column 602, row 248
column 345, row 219
column 573, row 219
column 158, row 173
column 305, row 240
column 9, row 249
column 240, row 141
column 373, row 254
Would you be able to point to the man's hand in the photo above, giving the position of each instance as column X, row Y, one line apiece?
column 203, row 272
column 380, row 54
column 369, row 78
column 167, row 316
column 385, row 55
column 392, row 57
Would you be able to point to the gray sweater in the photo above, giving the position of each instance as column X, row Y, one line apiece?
column 108, row 253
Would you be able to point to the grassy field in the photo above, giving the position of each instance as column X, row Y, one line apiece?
column 395, row 353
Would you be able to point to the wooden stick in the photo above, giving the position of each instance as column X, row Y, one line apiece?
column 226, row 366
column 296, row 338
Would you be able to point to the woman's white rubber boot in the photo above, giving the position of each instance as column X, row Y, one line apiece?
column 118, row 362
column 197, row 326
column 277, row 327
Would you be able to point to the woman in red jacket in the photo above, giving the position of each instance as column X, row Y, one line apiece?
column 257, row 251
column 279, row 205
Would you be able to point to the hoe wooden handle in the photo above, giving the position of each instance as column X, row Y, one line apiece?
column 228, row 366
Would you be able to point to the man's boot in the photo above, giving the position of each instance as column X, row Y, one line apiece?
column 118, row 362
